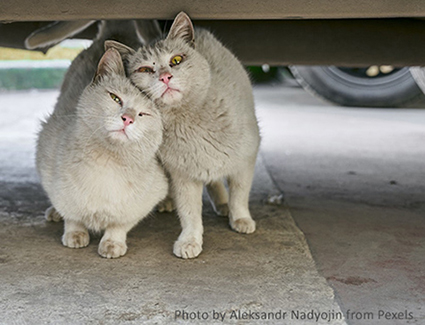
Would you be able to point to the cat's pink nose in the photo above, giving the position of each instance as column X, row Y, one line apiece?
column 127, row 120
column 165, row 77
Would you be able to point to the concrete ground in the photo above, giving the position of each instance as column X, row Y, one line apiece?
column 353, row 181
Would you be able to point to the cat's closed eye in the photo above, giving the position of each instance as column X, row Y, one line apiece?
column 144, row 114
column 145, row 69
column 115, row 98
column 176, row 60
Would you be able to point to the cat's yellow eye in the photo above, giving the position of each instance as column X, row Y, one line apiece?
column 145, row 69
column 176, row 60
column 115, row 98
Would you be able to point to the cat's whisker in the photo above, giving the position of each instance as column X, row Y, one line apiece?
column 145, row 92
column 155, row 89
column 142, row 140
column 165, row 28
column 65, row 115
column 156, row 85
column 90, row 137
column 76, row 115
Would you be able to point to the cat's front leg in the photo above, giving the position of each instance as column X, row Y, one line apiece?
column 188, row 196
column 75, row 235
column 113, row 243
column 239, row 187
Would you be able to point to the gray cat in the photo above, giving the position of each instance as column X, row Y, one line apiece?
column 97, row 160
column 210, row 128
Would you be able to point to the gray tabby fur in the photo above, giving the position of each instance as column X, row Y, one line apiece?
column 210, row 128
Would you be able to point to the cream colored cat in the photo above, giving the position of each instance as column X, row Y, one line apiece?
column 210, row 128
column 98, row 166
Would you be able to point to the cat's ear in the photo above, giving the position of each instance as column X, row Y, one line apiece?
column 124, row 50
column 110, row 63
column 182, row 28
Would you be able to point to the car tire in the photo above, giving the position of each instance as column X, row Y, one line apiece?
column 344, row 87
column 418, row 74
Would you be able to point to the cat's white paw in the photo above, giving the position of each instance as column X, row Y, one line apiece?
column 187, row 248
column 243, row 226
column 75, row 239
column 222, row 210
column 112, row 249
column 166, row 205
column 52, row 215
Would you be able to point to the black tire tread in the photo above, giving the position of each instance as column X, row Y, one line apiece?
column 406, row 99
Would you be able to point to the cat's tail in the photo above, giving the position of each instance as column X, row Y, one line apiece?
column 148, row 30
column 56, row 32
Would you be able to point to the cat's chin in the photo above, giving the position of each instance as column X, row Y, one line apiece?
column 119, row 136
column 170, row 97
